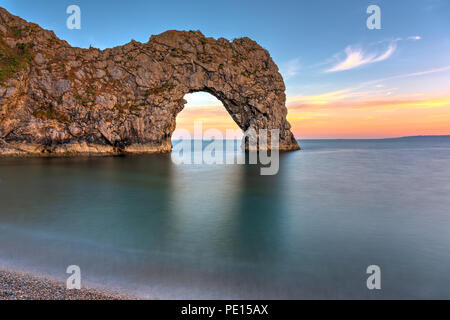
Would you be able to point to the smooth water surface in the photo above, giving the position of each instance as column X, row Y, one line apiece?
column 146, row 226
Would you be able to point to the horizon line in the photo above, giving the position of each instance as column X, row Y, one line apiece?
column 387, row 138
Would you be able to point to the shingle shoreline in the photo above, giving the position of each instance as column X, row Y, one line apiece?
column 21, row 286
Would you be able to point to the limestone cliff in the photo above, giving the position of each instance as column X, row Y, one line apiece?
column 56, row 99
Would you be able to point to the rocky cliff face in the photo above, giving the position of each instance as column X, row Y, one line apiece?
column 56, row 99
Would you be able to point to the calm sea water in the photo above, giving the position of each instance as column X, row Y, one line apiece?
column 146, row 226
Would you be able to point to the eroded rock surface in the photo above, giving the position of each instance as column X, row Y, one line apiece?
column 56, row 99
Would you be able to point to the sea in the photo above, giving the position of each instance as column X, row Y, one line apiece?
column 152, row 228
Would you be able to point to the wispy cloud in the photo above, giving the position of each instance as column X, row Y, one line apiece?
column 380, row 103
column 363, row 91
column 344, row 96
column 407, row 75
column 291, row 68
column 356, row 57
column 321, row 98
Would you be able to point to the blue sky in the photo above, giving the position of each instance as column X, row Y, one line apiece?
column 321, row 47
column 300, row 35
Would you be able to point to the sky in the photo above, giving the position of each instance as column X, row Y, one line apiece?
column 343, row 80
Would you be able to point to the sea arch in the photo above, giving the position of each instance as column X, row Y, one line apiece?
column 126, row 99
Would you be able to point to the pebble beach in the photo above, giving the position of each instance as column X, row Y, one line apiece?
column 20, row 286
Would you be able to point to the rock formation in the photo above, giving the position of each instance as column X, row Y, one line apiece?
column 56, row 99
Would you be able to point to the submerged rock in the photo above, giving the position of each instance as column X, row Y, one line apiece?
column 57, row 99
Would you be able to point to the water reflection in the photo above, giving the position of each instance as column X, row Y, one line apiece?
column 146, row 225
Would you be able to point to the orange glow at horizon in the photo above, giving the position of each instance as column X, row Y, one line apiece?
column 375, row 118
column 333, row 115
column 211, row 117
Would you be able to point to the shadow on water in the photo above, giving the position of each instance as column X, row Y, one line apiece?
column 255, row 228
column 147, row 225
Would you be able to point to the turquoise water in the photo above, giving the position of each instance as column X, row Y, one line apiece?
column 145, row 226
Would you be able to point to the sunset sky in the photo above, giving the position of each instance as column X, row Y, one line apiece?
column 343, row 80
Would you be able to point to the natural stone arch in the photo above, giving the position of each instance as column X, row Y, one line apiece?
column 126, row 99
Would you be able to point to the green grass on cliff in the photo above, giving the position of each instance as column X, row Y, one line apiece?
column 13, row 60
column 48, row 112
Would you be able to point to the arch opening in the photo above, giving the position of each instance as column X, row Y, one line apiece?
column 204, row 112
